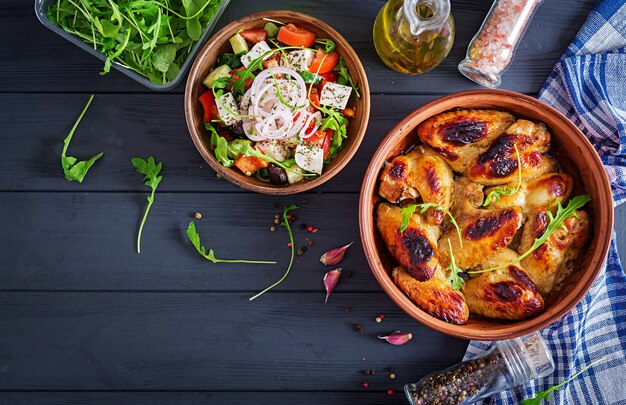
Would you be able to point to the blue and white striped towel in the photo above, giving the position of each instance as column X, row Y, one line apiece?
column 588, row 85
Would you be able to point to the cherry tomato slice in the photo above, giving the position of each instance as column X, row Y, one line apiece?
column 207, row 100
column 254, row 36
column 321, row 139
column 324, row 63
column 293, row 35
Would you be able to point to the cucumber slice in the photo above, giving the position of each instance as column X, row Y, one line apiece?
column 239, row 44
column 294, row 174
column 220, row 71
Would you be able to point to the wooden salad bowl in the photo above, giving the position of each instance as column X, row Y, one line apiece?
column 218, row 44
column 576, row 156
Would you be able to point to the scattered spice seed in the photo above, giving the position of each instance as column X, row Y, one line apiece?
column 381, row 316
column 389, row 392
column 197, row 215
column 378, row 319
column 392, row 376
column 365, row 384
column 348, row 274
column 276, row 205
column 301, row 251
column 311, row 242
column 304, row 201
column 277, row 221
column 369, row 372
column 277, row 216
column 289, row 244
column 359, row 329
column 347, row 309
column 272, row 228
column 303, row 226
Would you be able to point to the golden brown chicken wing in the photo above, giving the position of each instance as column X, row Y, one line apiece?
column 484, row 232
column 498, row 165
column 461, row 135
column 435, row 296
column 419, row 173
column 552, row 261
column 544, row 191
column 506, row 293
column 415, row 249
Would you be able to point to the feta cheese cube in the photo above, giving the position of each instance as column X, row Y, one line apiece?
column 228, row 101
column 299, row 60
column 256, row 52
column 310, row 158
column 335, row 95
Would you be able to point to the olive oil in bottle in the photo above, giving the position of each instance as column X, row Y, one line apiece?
column 414, row 36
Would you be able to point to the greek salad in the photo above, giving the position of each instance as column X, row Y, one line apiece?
column 278, row 106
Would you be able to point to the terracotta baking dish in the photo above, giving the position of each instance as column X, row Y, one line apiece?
column 577, row 157
column 219, row 44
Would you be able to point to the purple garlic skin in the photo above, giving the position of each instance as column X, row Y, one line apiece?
column 334, row 256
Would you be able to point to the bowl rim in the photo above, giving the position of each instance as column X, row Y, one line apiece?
column 229, row 173
column 366, row 226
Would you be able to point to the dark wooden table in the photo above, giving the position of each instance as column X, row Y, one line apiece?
column 84, row 318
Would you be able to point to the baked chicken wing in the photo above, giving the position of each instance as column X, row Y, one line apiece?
column 544, row 191
column 435, row 296
column 415, row 249
column 484, row 232
column 419, row 173
column 461, row 135
column 506, row 293
column 498, row 165
column 551, row 262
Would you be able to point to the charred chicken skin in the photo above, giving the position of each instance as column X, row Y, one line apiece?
column 460, row 136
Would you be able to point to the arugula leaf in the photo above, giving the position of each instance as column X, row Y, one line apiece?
column 73, row 169
column 454, row 277
column 220, row 145
column 194, row 237
column 329, row 45
column 152, row 179
column 284, row 223
column 344, row 76
column 496, row 193
column 555, row 222
column 546, row 394
column 163, row 57
column 310, row 78
column 410, row 209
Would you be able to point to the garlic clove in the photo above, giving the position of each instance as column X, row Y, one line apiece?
column 334, row 256
column 397, row 338
column 330, row 281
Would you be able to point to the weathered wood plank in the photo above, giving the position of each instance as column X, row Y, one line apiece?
column 209, row 341
column 124, row 126
column 49, row 63
column 202, row 398
column 86, row 241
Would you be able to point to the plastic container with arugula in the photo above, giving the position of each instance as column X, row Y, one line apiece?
column 277, row 106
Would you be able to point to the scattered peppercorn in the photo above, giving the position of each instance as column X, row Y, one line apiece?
column 219, row 176
column 301, row 251
column 359, row 328
column 197, row 215
column 348, row 274
column 365, row 384
column 277, row 221
column 276, row 205
column 289, row 244
column 303, row 226
column 272, row 228
column 311, row 242
column 381, row 316
column 276, row 216
column 378, row 319
column 392, row 376
column 304, row 201
column 347, row 309
column 389, row 392
column 369, row 372
column 291, row 217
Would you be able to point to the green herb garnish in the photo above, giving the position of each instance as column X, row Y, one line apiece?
column 454, row 277
column 546, row 394
column 72, row 168
column 555, row 222
column 410, row 209
column 329, row 45
column 284, row 223
column 194, row 237
column 310, row 77
column 152, row 38
column 496, row 193
column 233, row 61
column 151, row 170
column 344, row 76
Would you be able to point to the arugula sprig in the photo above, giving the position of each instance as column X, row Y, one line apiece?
column 287, row 226
column 73, row 169
column 454, row 272
column 344, row 76
column 555, row 222
column 152, row 179
column 410, row 209
column 546, row 394
column 194, row 238
column 329, row 44
column 496, row 193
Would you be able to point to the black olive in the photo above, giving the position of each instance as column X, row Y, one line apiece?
column 236, row 131
column 278, row 175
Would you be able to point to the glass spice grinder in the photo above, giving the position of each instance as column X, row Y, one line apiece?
column 492, row 49
column 414, row 36
column 504, row 365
